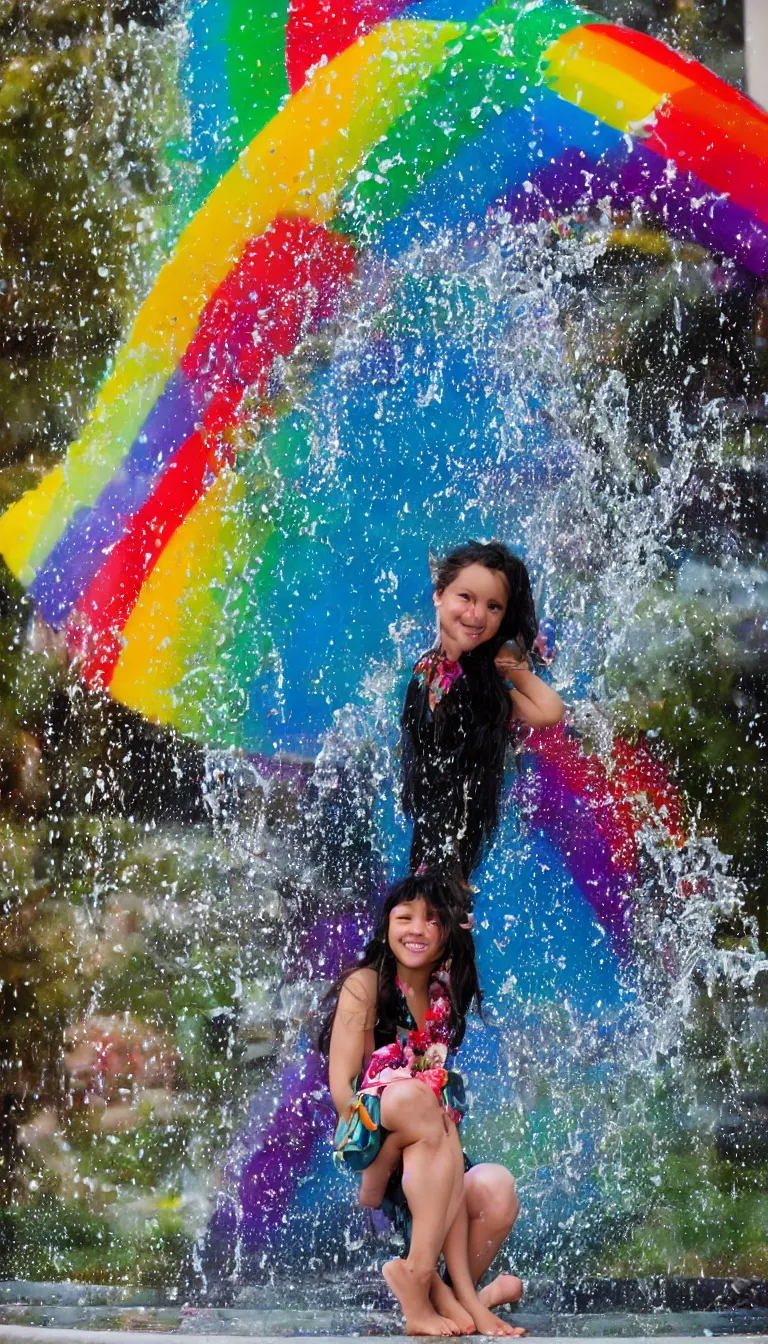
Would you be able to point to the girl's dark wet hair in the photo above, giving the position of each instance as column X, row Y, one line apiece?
column 453, row 758
column 448, row 901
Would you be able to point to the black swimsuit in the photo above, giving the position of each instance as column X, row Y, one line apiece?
column 451, row 758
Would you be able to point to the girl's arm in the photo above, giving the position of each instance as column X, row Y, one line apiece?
column 535, row 704
column 355, row 1017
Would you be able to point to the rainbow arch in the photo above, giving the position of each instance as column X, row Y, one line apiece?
column 372, row 124
column 399, row 119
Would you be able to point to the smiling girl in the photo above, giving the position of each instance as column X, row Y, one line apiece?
column 398, row 1015
column 463, row 701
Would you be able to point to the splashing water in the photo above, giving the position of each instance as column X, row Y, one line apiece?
column 587, row 1079
column 447, row 401
column 624, row 1045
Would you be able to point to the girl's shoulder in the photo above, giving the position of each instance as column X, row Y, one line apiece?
column 362, row 985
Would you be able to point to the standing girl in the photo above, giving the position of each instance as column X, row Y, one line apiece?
column 397, row 1016
column 463, row 700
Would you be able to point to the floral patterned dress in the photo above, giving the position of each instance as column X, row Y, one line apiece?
column 420, row 1055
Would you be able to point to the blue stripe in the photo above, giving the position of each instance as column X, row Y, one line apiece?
column 207, row 86
column 510, row 150
column 443, row 11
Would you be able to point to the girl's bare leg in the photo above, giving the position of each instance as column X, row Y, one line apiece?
column 375, row 1178
column 412, row 1113
column 456, row 1252
column 441, row 1294
column 493, row 1206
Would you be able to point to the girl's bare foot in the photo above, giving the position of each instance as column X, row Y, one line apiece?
column 412, row 1292
column 446, row 1303
column 488, row 1324
column 504, row 1288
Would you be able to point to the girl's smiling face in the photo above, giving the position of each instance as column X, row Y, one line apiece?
column 471, row 608
column 416, row 936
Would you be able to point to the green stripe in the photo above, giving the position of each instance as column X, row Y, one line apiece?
column 488, row 70
column 532, row 28
column 255, row 64
column 454, row 107
column 231, row 658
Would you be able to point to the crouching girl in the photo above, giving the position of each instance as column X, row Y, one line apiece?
column 398, row 1015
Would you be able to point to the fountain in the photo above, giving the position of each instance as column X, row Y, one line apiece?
column 322, row 388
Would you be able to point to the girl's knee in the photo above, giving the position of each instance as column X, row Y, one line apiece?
column 410, row 1104
column 492, row 1194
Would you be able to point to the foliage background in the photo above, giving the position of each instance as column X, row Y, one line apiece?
column 113, row 1091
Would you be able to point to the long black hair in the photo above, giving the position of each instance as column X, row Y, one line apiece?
column 448, row 901
column 453, row 756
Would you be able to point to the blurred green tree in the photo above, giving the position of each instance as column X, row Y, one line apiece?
column 89, row 107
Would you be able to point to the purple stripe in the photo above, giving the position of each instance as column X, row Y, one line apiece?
column 682, row 202
column 284, row 1144
column 286, row 769
column 277, row 1146
column 569, row 825
column 77, row 557
column 328, row 945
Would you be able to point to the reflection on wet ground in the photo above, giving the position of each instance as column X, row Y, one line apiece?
column 599, row 1309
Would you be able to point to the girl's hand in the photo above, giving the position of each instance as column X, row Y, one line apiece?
column 510, row 659
column 346, row 1109
column 533, row 702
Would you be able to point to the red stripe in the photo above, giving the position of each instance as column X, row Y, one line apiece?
column 642, row 784
column 287, row 282
column 95, row 625
column 636, row 792
column 318, row 30
column 586, row 777
column 730, row 154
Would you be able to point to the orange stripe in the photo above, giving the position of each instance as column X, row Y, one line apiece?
column 641, row 44
column 606, row 45
column 749, row 134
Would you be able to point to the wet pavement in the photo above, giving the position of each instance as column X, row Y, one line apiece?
column 608, row 1310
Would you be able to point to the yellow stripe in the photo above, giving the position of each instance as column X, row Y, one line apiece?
column 656, row 243
column 172, row 639
column 296, row 165
column 15, row 535
column 164, row 626
column 590, row 70
column 30, row 528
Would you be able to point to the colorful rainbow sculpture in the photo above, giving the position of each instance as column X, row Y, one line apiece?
column 399, row 119
column 342, row 132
